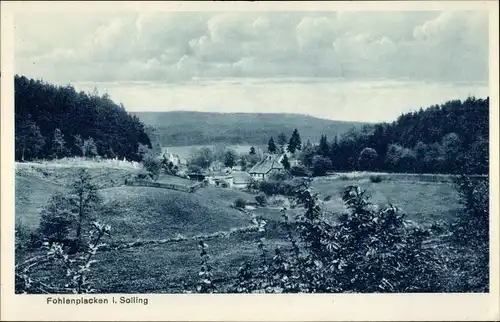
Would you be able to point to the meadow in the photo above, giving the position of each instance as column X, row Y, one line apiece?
column 155, row 214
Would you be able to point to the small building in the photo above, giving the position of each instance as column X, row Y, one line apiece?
column 241, row 179
column 271, row 164
column 171, row 157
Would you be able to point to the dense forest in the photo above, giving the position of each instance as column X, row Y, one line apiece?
column 182, row 128
column 448, row 138
column 56, row 121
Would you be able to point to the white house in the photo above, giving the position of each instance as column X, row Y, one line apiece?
column 174, row 158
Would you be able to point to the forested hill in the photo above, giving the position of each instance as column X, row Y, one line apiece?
column 191, row 128
column 56, row 121
column 449, row 138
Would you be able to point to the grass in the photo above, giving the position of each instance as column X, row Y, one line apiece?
column 155, row 213
column 31, row 195
column 36, row 184
column 423, row 202
column 145, row 213
column 167, row 268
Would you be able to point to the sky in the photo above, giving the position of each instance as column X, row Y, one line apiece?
column 343, row 65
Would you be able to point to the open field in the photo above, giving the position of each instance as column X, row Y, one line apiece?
column 145, row 213
column 423, row 202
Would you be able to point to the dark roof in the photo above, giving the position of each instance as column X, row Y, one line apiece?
column 266, row 165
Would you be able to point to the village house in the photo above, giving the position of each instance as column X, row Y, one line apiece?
column 271, row 164
column 171, row 157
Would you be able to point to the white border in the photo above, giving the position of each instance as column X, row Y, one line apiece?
column 245, row 307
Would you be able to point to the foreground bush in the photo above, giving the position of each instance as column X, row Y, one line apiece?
column 470, row 232
column 369, row 250
column 77, row 267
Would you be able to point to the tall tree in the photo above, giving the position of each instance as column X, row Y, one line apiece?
column 85, row 199
column 58, row 145
column 324, row 147
column 202, row 158
column 367, row 159
column 89, row 148
column 230, row 158
column 295, row 142
column 78, row 145
column 271, row 147
column 28, row 139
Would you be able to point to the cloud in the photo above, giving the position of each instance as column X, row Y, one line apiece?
column 168, row 46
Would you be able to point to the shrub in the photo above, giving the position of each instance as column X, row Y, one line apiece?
column 321, row 165
column 57, row 220
column 196, row 169
column 376, row 178
column 77, row 267
column 279, row 176
column 261, row 199
column 471, row 232
column 240, row 203
column 369, row 250
column 152, row 165
column 299, row 171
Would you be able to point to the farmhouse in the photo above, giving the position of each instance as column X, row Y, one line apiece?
column 271, row 164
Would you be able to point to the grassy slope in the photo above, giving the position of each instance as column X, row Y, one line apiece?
column 35, row 185
column 31, row 194
column 155, row 213
column 423, row 202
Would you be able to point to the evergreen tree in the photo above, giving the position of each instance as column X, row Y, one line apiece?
column 28, row 139
column 58, row 145
column 295, row 142
column 324, row 147
column 89, row 148
column 271, row 147
column 285, row 162
column 78, row 145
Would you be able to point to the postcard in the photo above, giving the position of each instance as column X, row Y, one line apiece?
column 253, row 161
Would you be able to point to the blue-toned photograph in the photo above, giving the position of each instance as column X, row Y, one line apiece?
column 251, row 152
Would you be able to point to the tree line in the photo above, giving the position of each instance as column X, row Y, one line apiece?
column 449, row 138
column 57, row 121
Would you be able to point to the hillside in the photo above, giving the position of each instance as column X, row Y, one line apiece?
column 449, row 138
column 57, row 121
column 191, row 128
